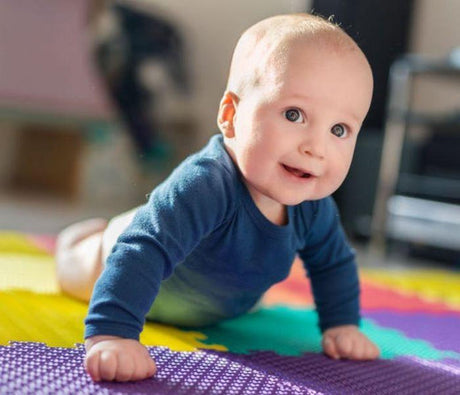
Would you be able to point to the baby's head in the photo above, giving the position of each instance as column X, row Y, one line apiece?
column 298, row 91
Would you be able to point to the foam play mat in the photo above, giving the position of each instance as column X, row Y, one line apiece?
column 413, row 316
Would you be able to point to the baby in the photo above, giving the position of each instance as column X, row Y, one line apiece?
column 228, row 222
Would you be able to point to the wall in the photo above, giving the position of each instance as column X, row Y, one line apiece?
column 435, row 33
column 211, row 29
column 435, row 29
column 44, row 62
column 48, row 60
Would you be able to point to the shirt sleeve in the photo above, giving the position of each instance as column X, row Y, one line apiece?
column 190, row 204
column 330, row 263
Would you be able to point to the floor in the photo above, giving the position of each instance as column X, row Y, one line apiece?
column 35, row 214
column 39, row 214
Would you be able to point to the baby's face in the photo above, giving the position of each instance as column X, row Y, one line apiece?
column 295, row 135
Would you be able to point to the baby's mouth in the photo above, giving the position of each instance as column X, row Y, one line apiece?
column 297, row 172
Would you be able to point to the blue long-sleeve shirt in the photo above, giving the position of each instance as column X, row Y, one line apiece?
column 200, row 251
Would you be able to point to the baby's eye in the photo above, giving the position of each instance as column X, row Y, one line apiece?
column 339, row 130
column 294, row 115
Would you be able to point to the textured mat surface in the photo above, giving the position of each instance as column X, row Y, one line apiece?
column 276, row 349
column 30, row 368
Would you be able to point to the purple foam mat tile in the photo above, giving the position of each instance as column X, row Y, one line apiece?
column 33, row 368
column 441, row 330
column 402, row 375
column 448, row 365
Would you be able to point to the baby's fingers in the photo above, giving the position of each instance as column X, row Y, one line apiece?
column 344, row 345
column 92, row 365
column 145, row 367
column 108, row 365
column 358, row 349
column 150, row 367
column 363, row 349
column 329, row 347
column 126, row 367
column 371, row 351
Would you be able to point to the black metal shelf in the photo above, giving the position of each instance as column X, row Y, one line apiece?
column 419, row 192
column 431, row 187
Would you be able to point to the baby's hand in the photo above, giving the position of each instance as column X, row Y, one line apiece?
column 347, row 341
column 115, row 358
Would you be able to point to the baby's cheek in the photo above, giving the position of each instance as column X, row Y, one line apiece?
column 340, row 172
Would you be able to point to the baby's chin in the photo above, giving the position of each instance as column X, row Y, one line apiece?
column 294, row 201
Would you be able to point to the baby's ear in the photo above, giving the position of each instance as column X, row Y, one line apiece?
column 227, row 113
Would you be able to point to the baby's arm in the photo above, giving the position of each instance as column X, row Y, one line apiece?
column 115, row 358
column 347, row 341
column 331, row 265
column 163, row 232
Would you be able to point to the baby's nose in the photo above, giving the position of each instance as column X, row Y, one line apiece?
column 314, row 145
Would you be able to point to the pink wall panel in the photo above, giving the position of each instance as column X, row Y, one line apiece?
column 44, row 59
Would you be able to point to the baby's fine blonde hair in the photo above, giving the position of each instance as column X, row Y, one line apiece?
column 265, row 45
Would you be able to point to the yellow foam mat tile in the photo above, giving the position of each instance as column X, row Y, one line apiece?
column 32, row 272
column 11, row 242
column 32, row 309
column 58, row 321
column 431, row 285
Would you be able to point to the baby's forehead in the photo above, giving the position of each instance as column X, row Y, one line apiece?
column 266, row 49
column 276, row 58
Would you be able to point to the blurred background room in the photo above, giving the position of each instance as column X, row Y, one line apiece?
column 99, row 100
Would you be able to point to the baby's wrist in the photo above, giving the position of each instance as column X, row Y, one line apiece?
column 341, row 327
column 93, row 340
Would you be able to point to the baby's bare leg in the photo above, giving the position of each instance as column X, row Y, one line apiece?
column 82, row 250
column 79, row 257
